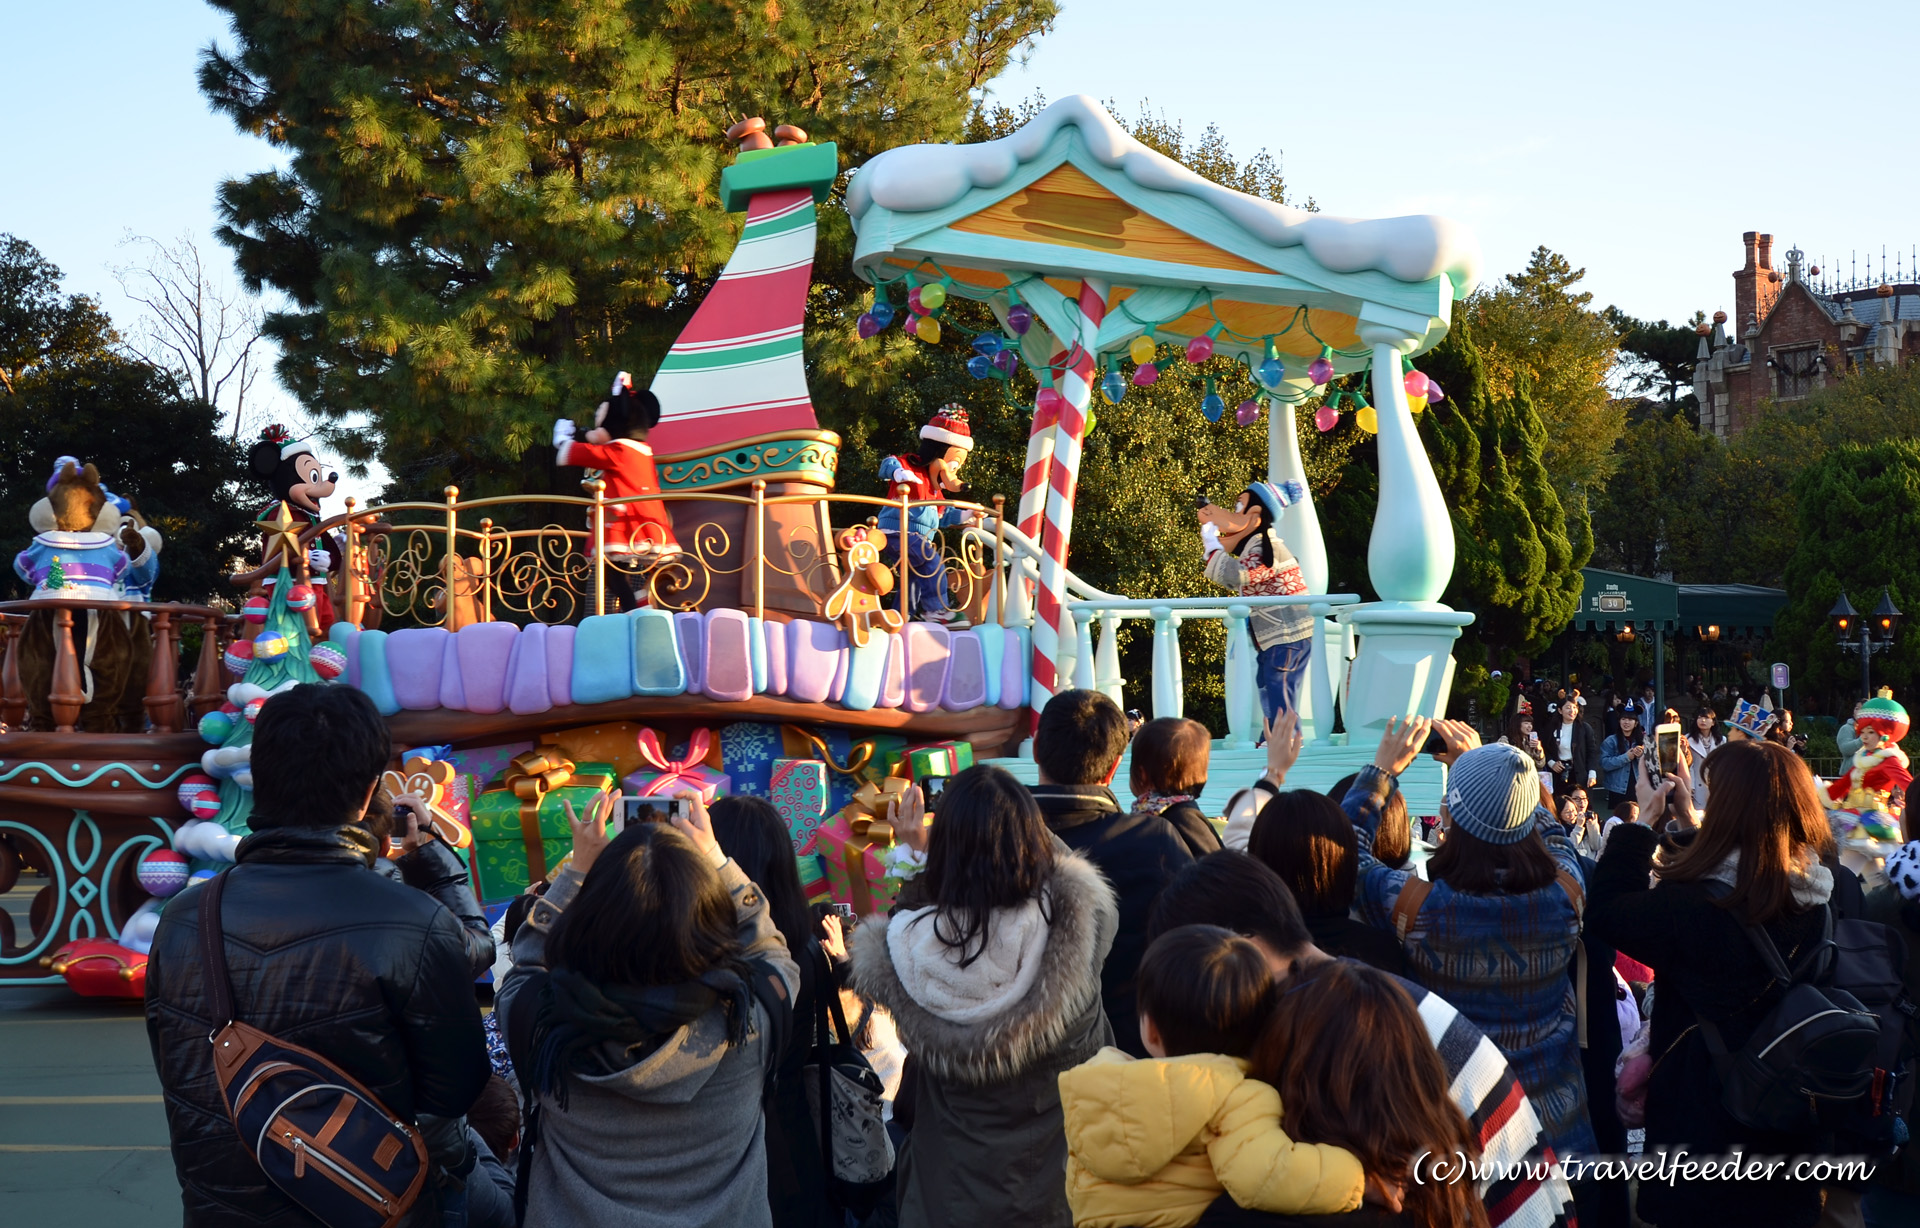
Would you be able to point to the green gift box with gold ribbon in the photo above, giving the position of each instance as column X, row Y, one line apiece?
column 930, row 759
column 520, row 832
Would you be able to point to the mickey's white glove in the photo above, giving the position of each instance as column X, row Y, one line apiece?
column 1210, row 537
column 562, row 432
column 318, row 562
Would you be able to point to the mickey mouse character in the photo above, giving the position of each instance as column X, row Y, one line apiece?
column 616, row 450
column 945, row 443
column 1244, row 552
column 297, row 478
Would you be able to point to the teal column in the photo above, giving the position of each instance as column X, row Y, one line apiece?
column 1410, row 556
column 1300, row 524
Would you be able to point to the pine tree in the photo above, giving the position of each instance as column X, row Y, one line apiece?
column 56, row 575
column 491, row 207
column 1858, row 511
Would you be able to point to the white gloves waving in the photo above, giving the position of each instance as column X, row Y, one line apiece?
column 562, row 432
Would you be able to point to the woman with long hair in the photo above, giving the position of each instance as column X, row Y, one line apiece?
column 1755, row 860
column 1310, row 844
column 752, row 832
column 647, row 983
column 1354, row 1066
column 1620, row 755
column 1705, row 738
column 1494, row 927
column 994, row 987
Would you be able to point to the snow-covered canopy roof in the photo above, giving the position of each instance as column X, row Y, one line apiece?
column 1070, row 198
column 923, row 178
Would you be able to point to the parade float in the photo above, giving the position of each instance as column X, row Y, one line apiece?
column 778, row 648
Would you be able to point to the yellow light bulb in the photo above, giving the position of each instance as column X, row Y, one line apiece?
column 1369, row 420
column 1141, row 350
column 928, row 329
column 1416, row 404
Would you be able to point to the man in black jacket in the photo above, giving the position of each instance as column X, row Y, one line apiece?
column 1077, row 746
column 324, row 953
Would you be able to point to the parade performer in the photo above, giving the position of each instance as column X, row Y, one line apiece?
column 638, row 534
column 1245, row 552
column 945, row 443
column 294, row 476
column 1861, row 800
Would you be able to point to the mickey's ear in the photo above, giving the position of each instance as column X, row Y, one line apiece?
column 263, row 459
column 646, row 408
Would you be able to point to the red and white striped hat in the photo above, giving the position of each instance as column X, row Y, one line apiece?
column 949, row 426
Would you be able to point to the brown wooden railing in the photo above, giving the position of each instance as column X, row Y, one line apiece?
column 167, row 708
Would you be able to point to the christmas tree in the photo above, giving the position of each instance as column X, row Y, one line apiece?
column 56, row 576
column 279, row 655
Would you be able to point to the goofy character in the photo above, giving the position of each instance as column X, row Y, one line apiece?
column 945, row 443
column 1244, row 552
column 636, row 535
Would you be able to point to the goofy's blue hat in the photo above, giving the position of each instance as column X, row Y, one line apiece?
column 1276, row 497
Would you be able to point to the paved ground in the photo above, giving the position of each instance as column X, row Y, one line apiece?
column 83, row 1139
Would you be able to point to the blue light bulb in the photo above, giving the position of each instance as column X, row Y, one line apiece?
column 980, row 366
column 988, row 344
column 882, row 312
column 1114, row 384
column 1272, row 371
column 1213, row 407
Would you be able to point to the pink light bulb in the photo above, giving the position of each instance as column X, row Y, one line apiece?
column 1415, row 384
column 1145, row 374
column 1200, row 348
column 1326, row 417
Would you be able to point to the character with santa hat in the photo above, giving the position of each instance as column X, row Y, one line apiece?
column 945, row 443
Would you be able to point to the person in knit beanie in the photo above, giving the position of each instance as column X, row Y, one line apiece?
column 1496, row 929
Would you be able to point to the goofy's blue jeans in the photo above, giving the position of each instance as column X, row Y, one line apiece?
column 1278, row 672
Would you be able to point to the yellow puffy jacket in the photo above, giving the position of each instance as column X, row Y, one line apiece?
column 1151, row 1143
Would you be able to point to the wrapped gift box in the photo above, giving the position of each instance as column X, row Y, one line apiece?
column 813, row 878
column 798, row 790
column 850, row 761
column 747, row 752
column 664, row 775
column 849, row 847
column 931, row 759
column 520, row 829
column 698, row 777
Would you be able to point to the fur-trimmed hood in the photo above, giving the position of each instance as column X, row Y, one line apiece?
column 1083, row 917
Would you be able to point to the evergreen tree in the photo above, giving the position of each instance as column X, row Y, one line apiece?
column 489, row 207
column 1858, row 517
column 69, row 389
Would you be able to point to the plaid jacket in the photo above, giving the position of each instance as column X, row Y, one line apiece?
column 1502, row 959
column 1254, row 576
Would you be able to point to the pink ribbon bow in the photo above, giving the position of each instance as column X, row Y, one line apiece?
column 674, row 772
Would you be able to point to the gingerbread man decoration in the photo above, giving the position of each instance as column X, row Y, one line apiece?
column 859, row 601
column 430, row 780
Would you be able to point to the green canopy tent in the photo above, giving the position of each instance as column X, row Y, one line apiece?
column 1613, row 601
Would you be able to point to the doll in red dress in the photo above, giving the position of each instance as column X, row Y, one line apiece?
column 1865, row 800
column 638, row 536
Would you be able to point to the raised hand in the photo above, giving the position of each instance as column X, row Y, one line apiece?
column 589, row 834
column 1283, row 745
column 1460, row 738
column 697, row 826
column 1401, row 743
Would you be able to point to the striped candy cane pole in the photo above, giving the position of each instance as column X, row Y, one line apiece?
column 1063, row 477
column 1033, row 487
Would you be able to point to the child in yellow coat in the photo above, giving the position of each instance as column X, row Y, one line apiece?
column 1152, row 1143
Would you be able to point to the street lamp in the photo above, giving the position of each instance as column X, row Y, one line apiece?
column 1865, row 636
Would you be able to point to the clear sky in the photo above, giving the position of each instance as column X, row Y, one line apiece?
column 1639, row 139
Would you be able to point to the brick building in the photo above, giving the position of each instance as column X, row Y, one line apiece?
column 1795, row 333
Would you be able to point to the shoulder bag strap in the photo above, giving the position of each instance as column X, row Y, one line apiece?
column 1406, row 906
column 213, row 953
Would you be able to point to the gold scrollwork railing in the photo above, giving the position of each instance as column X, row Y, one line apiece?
column 433, row 564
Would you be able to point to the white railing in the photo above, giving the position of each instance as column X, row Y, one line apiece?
column 1098, row 667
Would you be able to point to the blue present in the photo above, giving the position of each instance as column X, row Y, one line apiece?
column 747, row 752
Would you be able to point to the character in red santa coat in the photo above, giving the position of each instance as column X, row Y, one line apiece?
column 638, row 536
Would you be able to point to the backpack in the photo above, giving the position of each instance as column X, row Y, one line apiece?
column 1835, row 1051
column 848, row 1097
column 318, row 1134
